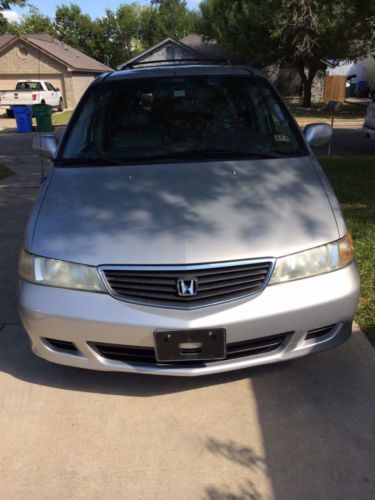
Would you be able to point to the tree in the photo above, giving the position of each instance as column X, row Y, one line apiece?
column 175, row 18
column 6, row 4
column 78, row 30
column 34, row 22
column 302, row 32
column 116, row 36
column 122, row 29
column 170, row 18
column 4, row 25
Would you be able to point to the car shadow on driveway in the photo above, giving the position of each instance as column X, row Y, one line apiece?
column 317, row 417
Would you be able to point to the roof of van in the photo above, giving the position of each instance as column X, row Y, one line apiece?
column 183, row 70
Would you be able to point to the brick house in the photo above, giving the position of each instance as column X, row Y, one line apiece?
column 42, row 57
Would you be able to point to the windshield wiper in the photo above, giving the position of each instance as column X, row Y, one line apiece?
column 204, row 154
column 188, row 155
column 87, row 161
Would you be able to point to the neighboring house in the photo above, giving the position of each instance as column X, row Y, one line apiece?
column 192, row 47
column 39, row 56
column 369, row 63
column 364, row 69
column 195, row 48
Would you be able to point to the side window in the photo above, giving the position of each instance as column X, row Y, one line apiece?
column 34, row 85
column 20, row 86
column 50, row 87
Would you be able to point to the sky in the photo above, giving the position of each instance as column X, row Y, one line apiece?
column 95, row 8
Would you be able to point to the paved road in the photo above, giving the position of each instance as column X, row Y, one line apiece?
column 349, row 141
column 299, row 430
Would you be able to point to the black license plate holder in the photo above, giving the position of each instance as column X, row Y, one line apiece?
column 189, row 346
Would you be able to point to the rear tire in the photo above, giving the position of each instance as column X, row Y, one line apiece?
column 10, row 113
column 61, row 105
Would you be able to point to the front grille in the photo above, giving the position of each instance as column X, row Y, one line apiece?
column 63, row 345
column 319, row 332
column 212, row 282
column 129, row 354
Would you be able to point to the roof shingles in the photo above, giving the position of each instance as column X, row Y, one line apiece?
column 73, row 58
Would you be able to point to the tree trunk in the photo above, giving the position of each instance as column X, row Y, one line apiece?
column 306, row 101
column 306, row 82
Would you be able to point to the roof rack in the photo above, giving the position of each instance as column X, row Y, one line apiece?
column 175, row 62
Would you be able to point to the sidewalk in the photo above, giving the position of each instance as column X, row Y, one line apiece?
column 338, row 122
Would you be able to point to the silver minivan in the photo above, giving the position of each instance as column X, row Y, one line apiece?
column 185, row 228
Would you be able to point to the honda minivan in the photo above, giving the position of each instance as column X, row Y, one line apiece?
column 185, row 227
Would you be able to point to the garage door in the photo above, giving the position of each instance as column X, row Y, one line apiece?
column 7, row 83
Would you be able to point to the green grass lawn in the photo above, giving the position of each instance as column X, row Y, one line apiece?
column 348, row 112
column 5, row 172
column 62, row 118
column 353, row 179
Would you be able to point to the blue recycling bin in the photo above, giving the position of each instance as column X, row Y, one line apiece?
column 23, row 115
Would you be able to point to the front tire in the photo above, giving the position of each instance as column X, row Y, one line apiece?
column 61, row 105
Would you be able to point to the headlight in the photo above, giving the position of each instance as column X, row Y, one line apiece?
column 316, row 261
column 58, row 273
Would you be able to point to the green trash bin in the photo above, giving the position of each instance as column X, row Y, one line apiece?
column 352, row 89
column 43, row 116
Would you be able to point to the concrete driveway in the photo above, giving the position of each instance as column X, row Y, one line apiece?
column 299, row 430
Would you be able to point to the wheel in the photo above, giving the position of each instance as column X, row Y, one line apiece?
column 61, row 105
column 10, row 113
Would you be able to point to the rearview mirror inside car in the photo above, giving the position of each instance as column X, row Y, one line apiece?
column 46, row 145
column 317, row 134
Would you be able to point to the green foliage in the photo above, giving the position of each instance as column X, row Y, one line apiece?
column 6, row 4
column 115, row 37
column 175, row 18
column 240, row 26
column 123, row 32
column 354, row 183
column 34, row 22
column 301, row 31
column 77, row 29
column 4, row 25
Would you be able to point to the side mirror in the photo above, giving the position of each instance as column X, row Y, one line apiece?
column 46, row 145
column 57, row 89
column 317, row 134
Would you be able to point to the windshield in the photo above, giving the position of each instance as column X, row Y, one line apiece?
column 188, row 117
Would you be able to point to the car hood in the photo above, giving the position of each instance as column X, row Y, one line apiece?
column 183, row 213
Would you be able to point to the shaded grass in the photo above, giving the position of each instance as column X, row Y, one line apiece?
column 348, row 112
column 62, row 118
column 5, row 172
column 353, row 179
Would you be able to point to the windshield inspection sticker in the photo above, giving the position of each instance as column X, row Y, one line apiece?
column 281, row 138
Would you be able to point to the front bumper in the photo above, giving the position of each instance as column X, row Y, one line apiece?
column 294, row 308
